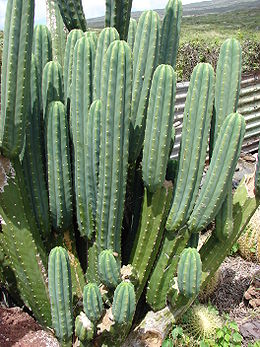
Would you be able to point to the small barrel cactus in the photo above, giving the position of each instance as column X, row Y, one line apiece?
column 189, row 272
column 108, row 268
column 124, row 301
column 92, row 302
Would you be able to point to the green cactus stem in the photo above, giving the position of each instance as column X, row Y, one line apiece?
column 213, row 192
column 42, row 50
column 124, row 301
column 228, row 79
column 106, row 37
column 52, row 85
column 115, row 98
column 34, row 160
column 131, row 33
column 118, row 14
column 92, row 139
column 72, row 14
column 60, row 290
column 81, row 99
column 158, row 127
column 109, row 268
column 72, row 39
column 15, row 81
column 58, row 31
column 189, row 272
column 145, row 54
column 208, row 203
column 196, row 125
column 92, row 302
column 59, row 171
column 149, row 235
column 22, row 246
column 170, row 35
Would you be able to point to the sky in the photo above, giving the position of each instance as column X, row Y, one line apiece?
column 92, row 8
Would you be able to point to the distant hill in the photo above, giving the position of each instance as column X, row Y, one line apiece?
column 196, row 9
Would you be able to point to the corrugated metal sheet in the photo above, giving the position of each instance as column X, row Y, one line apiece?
column 248, row 106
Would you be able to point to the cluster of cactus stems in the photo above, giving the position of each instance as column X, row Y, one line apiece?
column 85, row 153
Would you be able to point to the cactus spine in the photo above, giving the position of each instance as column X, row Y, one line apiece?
column 72, row 14
column 60, row 291
column 144, row 62
column 124, row 302
column 189, row 272
column 158, row 127
column 92, row 302
column 108, row 268
column 15, row 81
column 170, row 35
column 115, row 98
column 59, row 173
column 196, row 125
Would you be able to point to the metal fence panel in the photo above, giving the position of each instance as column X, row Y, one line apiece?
column 248, row 106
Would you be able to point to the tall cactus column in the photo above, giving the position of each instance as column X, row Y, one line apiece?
column 15, row 84
column 115, row 110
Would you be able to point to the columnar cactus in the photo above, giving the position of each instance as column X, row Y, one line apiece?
column 158, row 127
column 170, row 35
column 52, row 85
column 196, row 126
column 34, row 157
column 72, row 39
column 131, row 32
column 106, row 37
column 102, row 125
column 59, row 171
column 73, row 14
column 60, row 294
column 42, row 50
column 118, row 13
column 15, row 81
column 81, row 99
column 114, row 142
column 145, row 57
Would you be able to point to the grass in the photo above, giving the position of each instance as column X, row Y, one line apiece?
column 202, row 36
